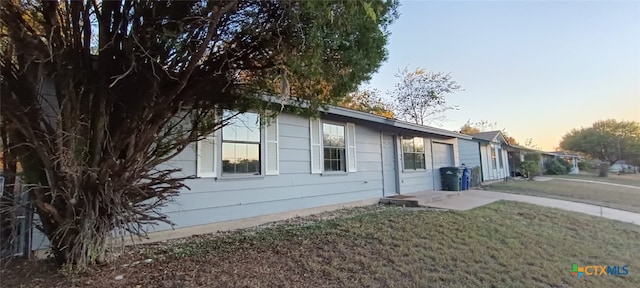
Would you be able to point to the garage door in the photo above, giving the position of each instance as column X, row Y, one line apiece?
column 442, row 157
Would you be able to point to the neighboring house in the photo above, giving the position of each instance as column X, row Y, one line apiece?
column 491, row 147
column 571, row 158
column 621, row 166
column 515, row 156
column 245, row 170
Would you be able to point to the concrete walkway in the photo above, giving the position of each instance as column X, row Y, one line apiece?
column 596, row 182
column 475, row 198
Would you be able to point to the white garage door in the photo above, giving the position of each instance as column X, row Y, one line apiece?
column 442, row 157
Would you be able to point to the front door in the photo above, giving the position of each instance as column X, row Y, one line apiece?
column 389, row 166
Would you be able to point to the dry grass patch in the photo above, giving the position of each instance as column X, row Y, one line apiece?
column 505, row 244
column 592, row 193
column 624, row 179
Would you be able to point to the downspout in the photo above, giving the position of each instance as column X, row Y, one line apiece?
column 481, row 170
column 433, row 168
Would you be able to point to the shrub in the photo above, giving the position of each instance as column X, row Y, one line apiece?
column 531, row 165
column 565, row 163
column 585, row 165
column 555, row 167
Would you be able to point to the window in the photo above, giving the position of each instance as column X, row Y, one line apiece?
column 500, row 158
column 241, row 144
column 243, row 147
column 413, row 153
column 333, row 143
column 332, row 146
column 493, row 157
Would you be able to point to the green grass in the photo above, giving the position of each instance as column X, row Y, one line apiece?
column 505, row 244
column 592, row 193
column 624, row 179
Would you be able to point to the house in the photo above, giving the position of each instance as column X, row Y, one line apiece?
column 621, row 166
column 516, row 155
column 488, row 150
column 245, row 171
column 571, row 158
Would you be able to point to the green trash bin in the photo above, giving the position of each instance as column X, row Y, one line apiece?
column 451, row 177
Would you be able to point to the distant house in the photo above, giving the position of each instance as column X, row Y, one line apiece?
column 487, row 150
column 571, row 158
column 621, row 166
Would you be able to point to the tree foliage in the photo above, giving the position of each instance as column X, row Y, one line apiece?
column 368, row 101
column 608, row 140
column 420, row 96
column 531, row 165
column 96, row 94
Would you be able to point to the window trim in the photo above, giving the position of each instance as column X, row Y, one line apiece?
column 424, row 154
column 322, row 145
column 261, row 153
column 215, row 139
column 316, row 147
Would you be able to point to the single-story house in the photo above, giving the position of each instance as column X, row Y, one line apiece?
column 571, row 158
column 621, row 166
column 488, row 150
column 515, row 155
column 245, row 170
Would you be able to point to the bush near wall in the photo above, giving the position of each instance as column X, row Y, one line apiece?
column 556, row 166
column 531, row 165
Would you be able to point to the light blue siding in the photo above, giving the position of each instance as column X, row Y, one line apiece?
column 469, row 152
column 212, row 200
column 420, row 180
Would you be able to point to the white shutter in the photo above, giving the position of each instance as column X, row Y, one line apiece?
column 315, row 139
column 206, row 160
column 351, row 147
column 272, row 159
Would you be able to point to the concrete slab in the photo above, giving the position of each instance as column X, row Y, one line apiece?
column 476, row 198
column 422, row 198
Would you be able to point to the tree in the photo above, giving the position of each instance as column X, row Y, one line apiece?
column 420, row 96
column 510, row 140
column 127, row 85
column 368, row 100
column 608, row 140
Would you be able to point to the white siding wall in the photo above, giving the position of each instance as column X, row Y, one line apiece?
column 489, row 171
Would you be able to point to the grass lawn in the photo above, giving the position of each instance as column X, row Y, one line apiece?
column 505, row 244
column 625, row 179
column 598, row 194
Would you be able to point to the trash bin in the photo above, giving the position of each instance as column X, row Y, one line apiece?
column 465, row 180
column 450, row 177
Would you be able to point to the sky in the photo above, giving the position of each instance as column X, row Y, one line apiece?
column 537, row 68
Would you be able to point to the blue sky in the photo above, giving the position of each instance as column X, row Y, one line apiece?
column 538, row 69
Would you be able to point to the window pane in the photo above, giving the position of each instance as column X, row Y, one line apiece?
column 243, row 127
column 407, row 145
column 332, row 135
column 420, row 161
column 419, row 143
column 409, row 161
column 240, row 158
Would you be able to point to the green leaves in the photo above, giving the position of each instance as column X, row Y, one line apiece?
column 608, row 140
column 369, row 10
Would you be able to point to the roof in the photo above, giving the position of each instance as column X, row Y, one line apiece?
column 491, row 136
column 393, row 122
column 368, row 117
column 488, row 135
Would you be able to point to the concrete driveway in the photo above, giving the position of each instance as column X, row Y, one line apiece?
column 470, row 199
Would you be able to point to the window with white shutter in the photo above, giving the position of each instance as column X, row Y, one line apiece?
column 272, row 158
column 333, row 147
column 206, row 160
